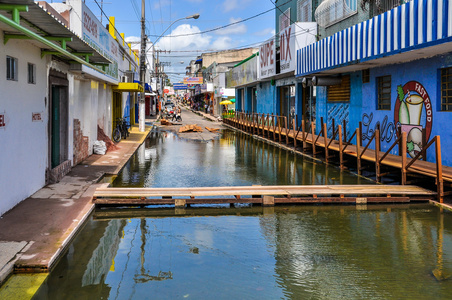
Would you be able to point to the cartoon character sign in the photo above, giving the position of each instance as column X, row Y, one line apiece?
column 413, row 110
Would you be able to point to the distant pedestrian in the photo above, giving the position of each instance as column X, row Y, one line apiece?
column 206, row 107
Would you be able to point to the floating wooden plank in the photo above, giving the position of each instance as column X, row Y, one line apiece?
column 190, row 128
column 165, row 122
column 213, row 130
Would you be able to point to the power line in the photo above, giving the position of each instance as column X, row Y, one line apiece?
column 228, row 25
column 291, row 21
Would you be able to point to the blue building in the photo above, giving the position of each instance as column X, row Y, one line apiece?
column 395, row 70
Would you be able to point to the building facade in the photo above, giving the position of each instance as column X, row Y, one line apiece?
column 57, row 92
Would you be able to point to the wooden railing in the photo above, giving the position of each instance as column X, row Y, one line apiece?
column 283, row 128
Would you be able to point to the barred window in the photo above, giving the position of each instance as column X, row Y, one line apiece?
column 384, row 92
column 304, row 11
column 446, row 89
column 284, row 20
column 31, row 73
column 11, row 68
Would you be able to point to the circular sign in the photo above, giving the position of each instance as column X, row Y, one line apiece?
column 413, row 112
column 166, row 91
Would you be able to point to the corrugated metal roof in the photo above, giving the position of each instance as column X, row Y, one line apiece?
column 42, row 22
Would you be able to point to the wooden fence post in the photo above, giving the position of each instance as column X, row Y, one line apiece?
column 358, row 150
column 313, row 139
column 325, row 140
column 303, row 134
column 294, row 122
column 345, row 130
column 403, row 147
column 287, row 132
column 439, row 171
column 341, row 156
column 377, row 155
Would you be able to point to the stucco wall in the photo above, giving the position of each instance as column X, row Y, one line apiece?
column 423, row 74
column 266, row 94
column 23, row 142
column 349, row 111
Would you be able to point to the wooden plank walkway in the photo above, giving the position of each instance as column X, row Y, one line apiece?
column 279, row 129
column 266, row 195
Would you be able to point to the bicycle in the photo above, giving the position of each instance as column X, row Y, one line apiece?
column 121, row 130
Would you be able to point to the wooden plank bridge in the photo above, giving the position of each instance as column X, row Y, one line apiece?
column 284, row 130
column 264, row 195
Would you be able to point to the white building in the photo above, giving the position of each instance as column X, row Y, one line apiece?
column 58, row 88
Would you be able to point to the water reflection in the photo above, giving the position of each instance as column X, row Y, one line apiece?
column 293, row 252
column 233, row 160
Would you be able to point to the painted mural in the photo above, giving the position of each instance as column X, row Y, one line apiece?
column 413, row 112
column 339, row 112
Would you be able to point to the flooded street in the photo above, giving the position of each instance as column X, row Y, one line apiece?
column 251, row 252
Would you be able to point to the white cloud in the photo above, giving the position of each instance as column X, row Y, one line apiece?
column 234, row 29
column 222, row 43
column 184, row 39
column 230, row 5
column 266, row 32
column 161, row 3
column 184, row 42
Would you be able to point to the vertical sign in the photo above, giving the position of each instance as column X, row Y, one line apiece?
column 267, row 59
column 295, row 37
column 2, row 120
column 100, row 39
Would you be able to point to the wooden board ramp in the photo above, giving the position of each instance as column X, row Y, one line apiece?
column 264, row 195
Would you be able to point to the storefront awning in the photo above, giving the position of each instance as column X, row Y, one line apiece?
column 128, row 87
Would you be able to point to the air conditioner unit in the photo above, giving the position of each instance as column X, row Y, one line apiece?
column 124, row 78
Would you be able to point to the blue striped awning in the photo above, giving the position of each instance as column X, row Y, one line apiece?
column 414, row 25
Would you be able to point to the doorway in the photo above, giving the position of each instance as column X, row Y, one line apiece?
column 58, row 126
column 287, row 100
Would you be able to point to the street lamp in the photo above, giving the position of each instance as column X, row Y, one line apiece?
column 195, row 16
column 141, row 120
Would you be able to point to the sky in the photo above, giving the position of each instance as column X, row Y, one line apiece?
column 183, row 38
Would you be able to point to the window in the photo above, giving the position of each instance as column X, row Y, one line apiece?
column 11, row 68
column 340, row 92
column 446, row 89
column 31, row 73
column 304, row 11
column 284, row 20
column 366, row 76
column 384, row 92
column 330, row 12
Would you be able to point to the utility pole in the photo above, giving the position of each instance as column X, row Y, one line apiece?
column 141, row 106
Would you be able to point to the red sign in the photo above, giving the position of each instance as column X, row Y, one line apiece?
column 36, row 117
column 166, row 91
column 89, row 24
column 2, row 121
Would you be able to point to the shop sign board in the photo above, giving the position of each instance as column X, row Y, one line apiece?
column 98, row 37
column 193, row 80
column 180, row 86
column 243, row 74
column 267, row 59
column 292, row 38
